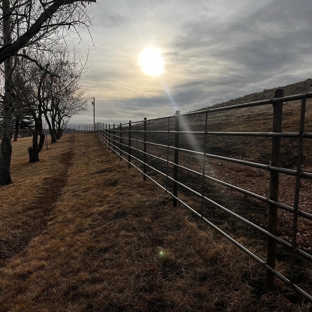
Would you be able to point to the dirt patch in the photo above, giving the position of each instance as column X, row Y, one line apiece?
column 36, row 215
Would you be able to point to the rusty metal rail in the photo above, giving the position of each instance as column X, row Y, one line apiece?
column 159, row 148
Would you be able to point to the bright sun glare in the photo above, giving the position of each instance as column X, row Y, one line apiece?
column 151, row 61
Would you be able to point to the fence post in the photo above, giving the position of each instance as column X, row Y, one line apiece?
column 176, row 158
column 274, row 185
column 109, row 136
column 114, row 136
column 120, row 140
column 129, row 145
column 145, row 147
column 297, row 191
column 204, row 165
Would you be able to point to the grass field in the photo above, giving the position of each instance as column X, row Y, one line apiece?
column 79, row 231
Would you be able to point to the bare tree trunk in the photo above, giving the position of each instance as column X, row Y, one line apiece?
column 53, row 125
column 36, row 147
column 17, row 121
column 6, row 145
column 58, row 119
column 54, row 131
column 51, row 130
column 59, row 132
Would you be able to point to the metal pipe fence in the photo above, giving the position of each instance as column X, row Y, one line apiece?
column 266, row 186
column 84, row 128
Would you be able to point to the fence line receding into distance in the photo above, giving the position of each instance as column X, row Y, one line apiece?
column 183, row 155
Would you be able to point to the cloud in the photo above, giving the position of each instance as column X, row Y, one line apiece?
column 214, row 51
column 264, row 41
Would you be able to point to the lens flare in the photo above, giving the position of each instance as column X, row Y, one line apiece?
column 183, row 122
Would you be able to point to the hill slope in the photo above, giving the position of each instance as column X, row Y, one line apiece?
column 112, row 242
column 301, row 87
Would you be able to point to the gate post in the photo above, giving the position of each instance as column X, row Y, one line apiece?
column 176, row 158
column 274, row 185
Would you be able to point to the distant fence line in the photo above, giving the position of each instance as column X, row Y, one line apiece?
column 159, row 146
column 69, row 130
column 22, row 133
column 84, row 128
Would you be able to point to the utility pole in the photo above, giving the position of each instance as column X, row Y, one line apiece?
column 93, row 103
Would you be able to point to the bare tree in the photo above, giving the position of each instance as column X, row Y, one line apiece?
column 8, row 98
column 73, row 103
column 47, row 88
column 39, row 18
column 36, row 20
column 64, row 96
column 29, row 81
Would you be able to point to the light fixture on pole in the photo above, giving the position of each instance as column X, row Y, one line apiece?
column 93, row 103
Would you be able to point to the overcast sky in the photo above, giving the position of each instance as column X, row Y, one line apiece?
column 213, row 51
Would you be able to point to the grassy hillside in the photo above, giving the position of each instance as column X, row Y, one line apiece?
column 79, row 231
column 301, row 87
column 252, row 149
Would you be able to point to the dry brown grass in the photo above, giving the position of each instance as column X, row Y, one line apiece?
column 254, row 149
column 82, row 232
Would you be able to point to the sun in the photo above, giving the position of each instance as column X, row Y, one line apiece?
column 151, row 61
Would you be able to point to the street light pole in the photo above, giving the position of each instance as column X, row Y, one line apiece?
column 93, row 103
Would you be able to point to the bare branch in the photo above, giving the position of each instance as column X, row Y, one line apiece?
column 38, row 64
column 11, row 49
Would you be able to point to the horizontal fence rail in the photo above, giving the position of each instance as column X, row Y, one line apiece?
column 182, row 154
column 83, row 128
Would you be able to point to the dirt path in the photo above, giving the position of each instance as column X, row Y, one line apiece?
column 33, row 217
